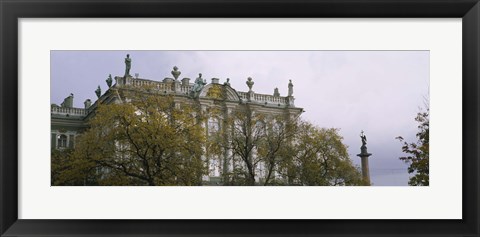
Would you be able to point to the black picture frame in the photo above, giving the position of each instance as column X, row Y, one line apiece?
column 11, row 11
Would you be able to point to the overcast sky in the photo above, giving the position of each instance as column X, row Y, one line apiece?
column 379, row 92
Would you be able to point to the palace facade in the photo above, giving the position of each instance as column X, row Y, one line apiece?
column 67, row 121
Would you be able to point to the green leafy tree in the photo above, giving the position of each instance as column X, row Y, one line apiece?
column 151, row 140
column 60, row 160
column 418, row 152
column 319, row 158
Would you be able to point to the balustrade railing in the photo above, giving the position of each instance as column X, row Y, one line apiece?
column 242, row 95
column 161, row 86
column 177, row 88
column 185, row 89
column 264, row 98
column 69, row 111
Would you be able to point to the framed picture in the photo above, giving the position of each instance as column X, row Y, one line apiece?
column 387, row 50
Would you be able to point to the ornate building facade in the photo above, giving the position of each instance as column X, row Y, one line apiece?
column 67, row 121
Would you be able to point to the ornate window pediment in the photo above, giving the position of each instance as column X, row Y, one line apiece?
column 219, row 92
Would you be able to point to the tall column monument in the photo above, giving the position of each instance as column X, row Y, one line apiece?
column 364, row 156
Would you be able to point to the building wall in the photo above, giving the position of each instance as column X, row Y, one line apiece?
column 68, row 122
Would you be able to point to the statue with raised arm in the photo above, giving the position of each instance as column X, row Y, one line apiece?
column 364, row 139
column 128, row 65
column 198, row 85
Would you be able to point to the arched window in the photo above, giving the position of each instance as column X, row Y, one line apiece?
column 62, row 141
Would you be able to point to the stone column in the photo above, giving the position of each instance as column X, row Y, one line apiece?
column 365, row 168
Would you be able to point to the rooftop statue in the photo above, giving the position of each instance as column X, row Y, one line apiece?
column 176, row 73
column 87, row 103
column 98, row 91
column 227, row 83
column 250, row 83
column 128, row 65
column 109, row 80
column 198, row 86
column 275, row 92
column 290, row 88
column 68, row 102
